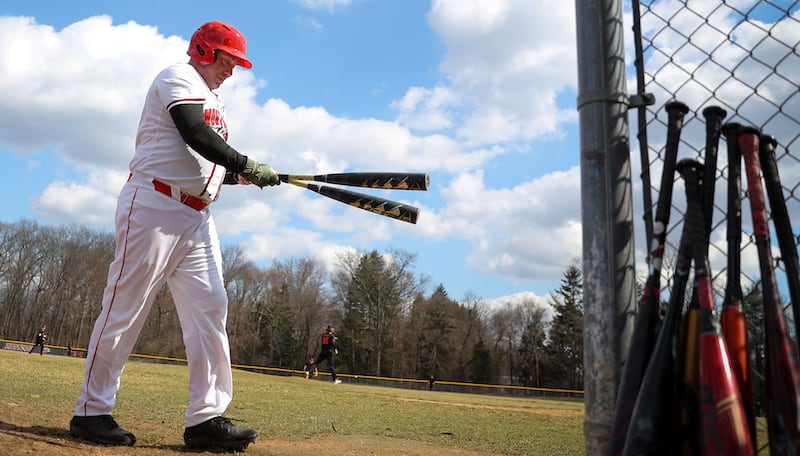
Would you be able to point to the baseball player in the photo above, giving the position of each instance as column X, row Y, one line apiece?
column 328, row 348
column 41, row 336
column 165, row 234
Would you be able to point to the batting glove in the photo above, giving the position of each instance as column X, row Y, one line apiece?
column 260, row 174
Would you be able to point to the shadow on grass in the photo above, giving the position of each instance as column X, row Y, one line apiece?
column 60, row 438
column 38, row 434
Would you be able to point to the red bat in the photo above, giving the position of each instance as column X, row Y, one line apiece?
column 782, row 374
column 733, row 320
column 723, row 419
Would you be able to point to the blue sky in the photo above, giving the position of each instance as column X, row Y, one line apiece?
column 480, row 95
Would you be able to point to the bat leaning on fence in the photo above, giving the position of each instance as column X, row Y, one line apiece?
column 781, row 365
column 732, row 319
column 722, row 415
column 644, row 332
column 371, row 203
column 781, row 221
column 651, row 424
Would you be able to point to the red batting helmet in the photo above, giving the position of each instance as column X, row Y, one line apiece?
column 216, row 35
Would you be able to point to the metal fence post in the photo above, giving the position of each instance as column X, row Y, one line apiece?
column 607, row 213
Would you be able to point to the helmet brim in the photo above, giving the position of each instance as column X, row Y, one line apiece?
column 244, row 63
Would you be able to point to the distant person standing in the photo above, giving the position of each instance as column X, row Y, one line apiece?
column 41, row 336
column 327, row 350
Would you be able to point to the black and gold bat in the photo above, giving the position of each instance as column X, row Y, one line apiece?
column 371, row 203
column 382, row 180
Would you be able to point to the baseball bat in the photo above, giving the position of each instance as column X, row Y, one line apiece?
column 781, row 222
column 650, row 431
column 370, row 203
column 384, row 180
column 644, row 332
column 723, row 419
column 687, row 417
column 732, row 319
column 781, row 365
column 713, row 116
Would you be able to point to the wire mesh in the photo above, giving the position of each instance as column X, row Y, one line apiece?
column 743, row 56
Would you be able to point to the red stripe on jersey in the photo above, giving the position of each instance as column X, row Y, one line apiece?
column 185, row 100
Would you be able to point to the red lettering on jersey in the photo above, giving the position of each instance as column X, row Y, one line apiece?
column 216, row 121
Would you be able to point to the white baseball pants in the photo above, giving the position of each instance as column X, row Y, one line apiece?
column 159, row 239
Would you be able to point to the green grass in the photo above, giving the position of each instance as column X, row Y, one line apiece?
column 40, row 391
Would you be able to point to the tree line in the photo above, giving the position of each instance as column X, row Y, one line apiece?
column 389, row 319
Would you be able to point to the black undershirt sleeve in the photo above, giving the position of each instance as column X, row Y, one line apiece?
column 199, row 136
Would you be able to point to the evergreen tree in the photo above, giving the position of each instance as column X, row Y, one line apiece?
column 482, row 366
column 565, row 339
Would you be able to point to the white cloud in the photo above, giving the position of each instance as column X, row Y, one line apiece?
column 506, row 62
column 90, row 203
column 518, row 299
column 80, row 92
column 79, row 88
column 327, row 5
column 527, row 232
column 425, row 109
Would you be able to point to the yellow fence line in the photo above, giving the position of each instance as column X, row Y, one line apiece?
column 353, row 376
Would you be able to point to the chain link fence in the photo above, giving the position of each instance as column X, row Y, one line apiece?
column 743, row 56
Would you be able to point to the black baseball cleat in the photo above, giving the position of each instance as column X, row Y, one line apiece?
column 218, row 433
column 100, row 429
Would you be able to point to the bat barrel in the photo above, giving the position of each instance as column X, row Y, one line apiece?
column 380, row 180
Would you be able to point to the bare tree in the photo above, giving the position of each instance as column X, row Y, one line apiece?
column 532, row 354
column 505, row 330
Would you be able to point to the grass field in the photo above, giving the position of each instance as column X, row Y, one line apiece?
column 294, row 416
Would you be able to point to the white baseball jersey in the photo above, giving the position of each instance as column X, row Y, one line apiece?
column 162, row 238
column 160, row 150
